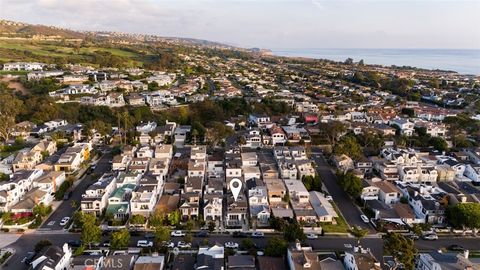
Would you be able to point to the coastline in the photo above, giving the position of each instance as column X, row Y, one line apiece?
column 462, row 61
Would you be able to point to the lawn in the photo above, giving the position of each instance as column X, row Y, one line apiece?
column 340, row 227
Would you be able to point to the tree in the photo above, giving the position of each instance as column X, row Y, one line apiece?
column 349, row 146
column 358, row 233
column 276, row 247
column 9, row 109
column 137, row 219
column 211, row 226
column 41, row 245
column 162, row 234
column 312, row 182
column 277, row 223
column 42, row 210
column 120, row 239
column 401, row 248
column 174, row 218
column 464, row 215
column 438, row 143
column 91, row 233
column 293, row 231
column 194, row 135
column 350, row 183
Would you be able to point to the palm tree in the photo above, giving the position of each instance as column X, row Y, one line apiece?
column 194, row 135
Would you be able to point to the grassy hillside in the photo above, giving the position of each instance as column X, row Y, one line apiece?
column 56, row 52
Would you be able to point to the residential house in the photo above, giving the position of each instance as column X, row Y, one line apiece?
column 95, row 198
column 343, row 162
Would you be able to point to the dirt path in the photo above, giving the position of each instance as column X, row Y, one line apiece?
column 14, row 84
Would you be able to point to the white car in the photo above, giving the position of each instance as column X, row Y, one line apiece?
column 64, row 221
column 231, row 245
column 430, row 236
column 258, row 234
column 312, row 236
column 183, row 244
column 177, row 234
column 169, row 244
column 144, row 243
column 364, row 218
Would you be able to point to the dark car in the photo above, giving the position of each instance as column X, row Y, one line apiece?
column 74, row 243
column 29, row 257
column 239, row 235
column 149, row 235
column 456, row 248
column 202, row 234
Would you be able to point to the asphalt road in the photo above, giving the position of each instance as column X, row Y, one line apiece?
column 349, row 211
column 65, row 208
column 375, row 244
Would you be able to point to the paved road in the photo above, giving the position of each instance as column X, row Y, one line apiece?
column 375, row 244
column 343, row 201
column 65, row 209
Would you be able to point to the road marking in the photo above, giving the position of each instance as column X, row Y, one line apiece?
column 348, row 245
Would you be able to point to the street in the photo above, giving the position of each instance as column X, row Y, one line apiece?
column 65, row 209
column 347, row 207
column 327, row 243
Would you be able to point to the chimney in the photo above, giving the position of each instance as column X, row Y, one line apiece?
column 466, row 253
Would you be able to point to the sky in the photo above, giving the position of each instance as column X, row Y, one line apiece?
column 272, row 24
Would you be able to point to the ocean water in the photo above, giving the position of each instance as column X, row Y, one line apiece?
column 461, row 61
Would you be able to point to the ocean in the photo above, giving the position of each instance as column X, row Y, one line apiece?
column 461, row 61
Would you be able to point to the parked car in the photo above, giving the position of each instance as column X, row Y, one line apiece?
column 106, row 243
column 413, row 236
column 258, row 234
column 29, row 257
column 312, row 236
column 168, row 244
column 149, row 235
column 430, row 236
column 74, row 243
column 183, row 244
column 177, row 234
column 201, row 234
column 231, row 245
column 456, row 248
column 64, row 221
column 144, row 243
column 364, row 218
column 239, row 235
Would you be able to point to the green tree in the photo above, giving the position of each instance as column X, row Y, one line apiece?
column 211, row 226
column 350, row 183
column 162, row 234
column 293, row 232
column 42, row 210
column 349, row 146
column 120, row 239
column 137, row 219
column 464, row 215
column 9, row 109
column 41, row 245
column 401, row 248
column 276, row 247
column 174, row 218
column 438, row 143
column 358, row 233
column 91, row 233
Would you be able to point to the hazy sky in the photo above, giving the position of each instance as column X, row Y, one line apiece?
column 270, row 23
